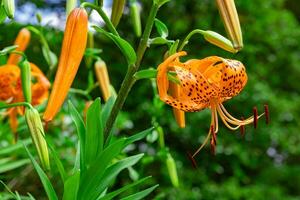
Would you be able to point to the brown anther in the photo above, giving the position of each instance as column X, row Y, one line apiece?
column 255, row 115
column 213, row 141
column 46, row 126
column 242, row 128
column 193, row 161
column 267, row 114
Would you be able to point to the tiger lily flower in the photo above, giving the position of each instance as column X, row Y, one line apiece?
column 73, row 48
column 206, row 83
column 22, row 41
column 11, row 89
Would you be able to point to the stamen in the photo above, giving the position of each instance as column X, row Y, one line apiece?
column 193, row 161
column 255, row 117
column 267, row 113
column 242, row 128
column 46, row 126
column 213, row 141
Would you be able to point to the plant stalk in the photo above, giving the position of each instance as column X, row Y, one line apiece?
column 129, row 79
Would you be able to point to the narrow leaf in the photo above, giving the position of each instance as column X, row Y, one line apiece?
column 77, row 119
column 161, row 28
column 123, row 45
column 45, row 181
column 113, row 194
column 13, row 165
column 138, row 136
column 71, row 187
column 140, row 195
column 94, row 132
column 111, row 173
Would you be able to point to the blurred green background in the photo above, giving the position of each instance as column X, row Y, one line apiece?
column 263, row 165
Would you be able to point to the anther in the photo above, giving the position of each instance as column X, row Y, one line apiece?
column 213, row 141
column 267, row 114
column 255, row 117
column 242, row 128
column 193, row 161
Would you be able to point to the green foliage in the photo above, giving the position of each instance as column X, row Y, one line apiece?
column 264, row 164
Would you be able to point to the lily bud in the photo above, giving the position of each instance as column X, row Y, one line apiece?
column 22, row 41
column 103, row 79
column 231, row 21
column 73, row 48
column 36, row 129
column 26, row 80
column 219, row 41
column 135, row 18
column 117, row 11
column 178, row 114
column 9, row 7
column 171, row 166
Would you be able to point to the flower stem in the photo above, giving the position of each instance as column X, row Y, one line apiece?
column 28, row 105
column 186, row 39
column 107, row 21
column 129, row 79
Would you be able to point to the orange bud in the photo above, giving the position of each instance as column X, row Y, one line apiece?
column 178, row 114
column 22, row 41
column 73, row 48
column 103, row 79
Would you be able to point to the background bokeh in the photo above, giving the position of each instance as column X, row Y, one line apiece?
column 263, row 165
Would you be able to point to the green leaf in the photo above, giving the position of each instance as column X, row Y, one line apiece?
column 94, row 132
column 77, row 119
column 111, row 173
column 123, row 45
column 45, row 181
column 58, row 162
column 12, row 148
column 92, row 177
column 10, row 165
column 159, row 41
column 138, row 136
column 113, row 194
column 49, row 56
column 161, row 28
column 145, row 74
column 105, row 112
column 140, row 195
column 71, row 186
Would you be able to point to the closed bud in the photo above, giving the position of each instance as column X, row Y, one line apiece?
column 117, row 11
column 22, row 42
column 219, row 41
column 26, row 80
column 73, row 47
column 135, row 17
column 36, row 129
column 231, row 22
column 103, row 79
column 9, row 7
column 171, row 166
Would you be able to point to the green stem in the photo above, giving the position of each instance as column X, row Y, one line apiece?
column 28, row 105
column 186, row 39
column 129, row 79
column 107, row 21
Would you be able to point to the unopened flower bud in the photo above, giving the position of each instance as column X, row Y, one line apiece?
column 231, row 22
column 26, row 80
column 103, row 79
column 117, row 11
column 9, row 7
column 36, row 129
column 219, row 41
column 171, row 166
